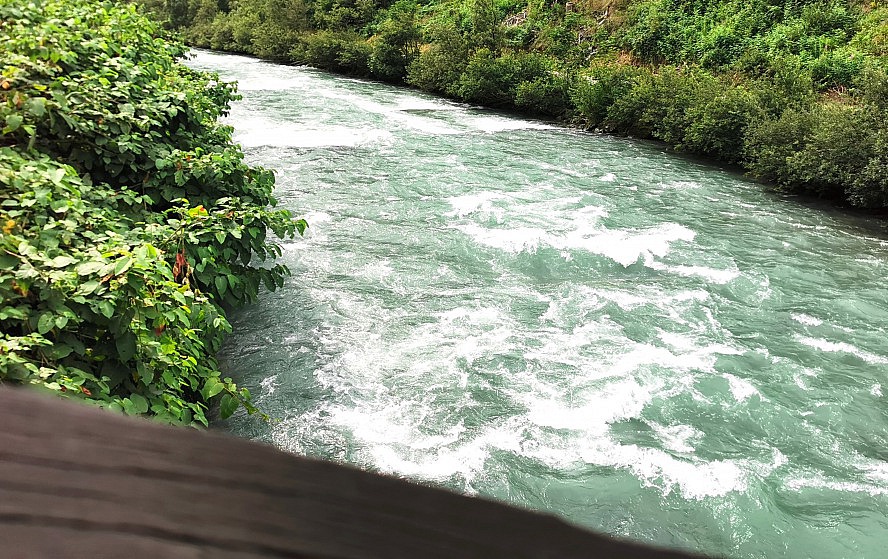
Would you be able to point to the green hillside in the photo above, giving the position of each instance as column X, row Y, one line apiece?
column 795, row 91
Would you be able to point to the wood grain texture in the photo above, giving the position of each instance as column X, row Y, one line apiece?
column 79, row 482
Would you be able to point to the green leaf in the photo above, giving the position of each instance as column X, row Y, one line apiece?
column 45, row 323
column 301, row 226
column 106, row 308
column 8, row 261
column 220, row 236
column 88, row 287
column 228, row 406
column 122, row 265
column 126, row 347
column 221, row 284
column 212, row 387
column 59, row 351
column 147, row 376
column 90, row 267
column 36, row 106
column 58, row 175
column 60, row 206
column 139, row 404
column 75, row 344
column 61, row 261
column 12, row 123
column 215, row 389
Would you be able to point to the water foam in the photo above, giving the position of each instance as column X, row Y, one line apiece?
column 494, row 124
column 682, row 185
column 822, row 483
column 624, row 246
column 677, row 438
column 468, row 204
column 842, row 347
column 570, row 424
column 805, row 319
column 712, row 275
column 740, row 388
column 260, row 132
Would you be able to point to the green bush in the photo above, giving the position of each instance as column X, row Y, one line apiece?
column 869, row 187
column 721, row 46
column 549, row 95
column 655, row 32
column 486, row 79
column 840, row 67
column 786, row 84
column 772, row 143
column 831, row 150
column 596, row 94
column 223, row 35
column 396, row 44
column 128, row 217
column 333, row 50
column 872, row 36
column 272, row 42
column 441, row 63
column 718, row 121
column 493, row 81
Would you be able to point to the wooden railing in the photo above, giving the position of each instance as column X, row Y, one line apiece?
column 79, row 482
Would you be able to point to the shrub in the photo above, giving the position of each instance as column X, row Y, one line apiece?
column 332, row 50
column 786, row 85
column 721, row 46
column 718, row 122
column 594, row 95
column 839, row 67
column 486, row 80
column 627, row 113
column 771, row 143
column 129, row 219
column 494, row 80
column 547, row 95
column 832, row 150
column 869, row 187
column 675, row 91
column 395, row 45
column 440, row 64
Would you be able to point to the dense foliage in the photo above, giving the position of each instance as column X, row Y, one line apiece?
column 129, row 218
column 794, row 90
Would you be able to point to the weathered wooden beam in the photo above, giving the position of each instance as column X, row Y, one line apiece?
column 79, row 482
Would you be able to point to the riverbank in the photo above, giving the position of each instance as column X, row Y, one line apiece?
column 129, row 217
column 796, row 94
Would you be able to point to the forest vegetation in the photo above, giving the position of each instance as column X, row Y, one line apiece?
column 794, row 91
column 130, row 221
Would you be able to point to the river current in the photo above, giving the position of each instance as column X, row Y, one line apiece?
column 643, row 344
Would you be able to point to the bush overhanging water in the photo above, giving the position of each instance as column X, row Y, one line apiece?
column 129, row 218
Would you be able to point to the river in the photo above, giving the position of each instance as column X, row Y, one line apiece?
column 641, row 343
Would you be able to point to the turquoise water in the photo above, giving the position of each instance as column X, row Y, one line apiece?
column 638, row 342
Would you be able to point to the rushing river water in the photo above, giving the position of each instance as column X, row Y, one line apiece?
column 640, row 343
